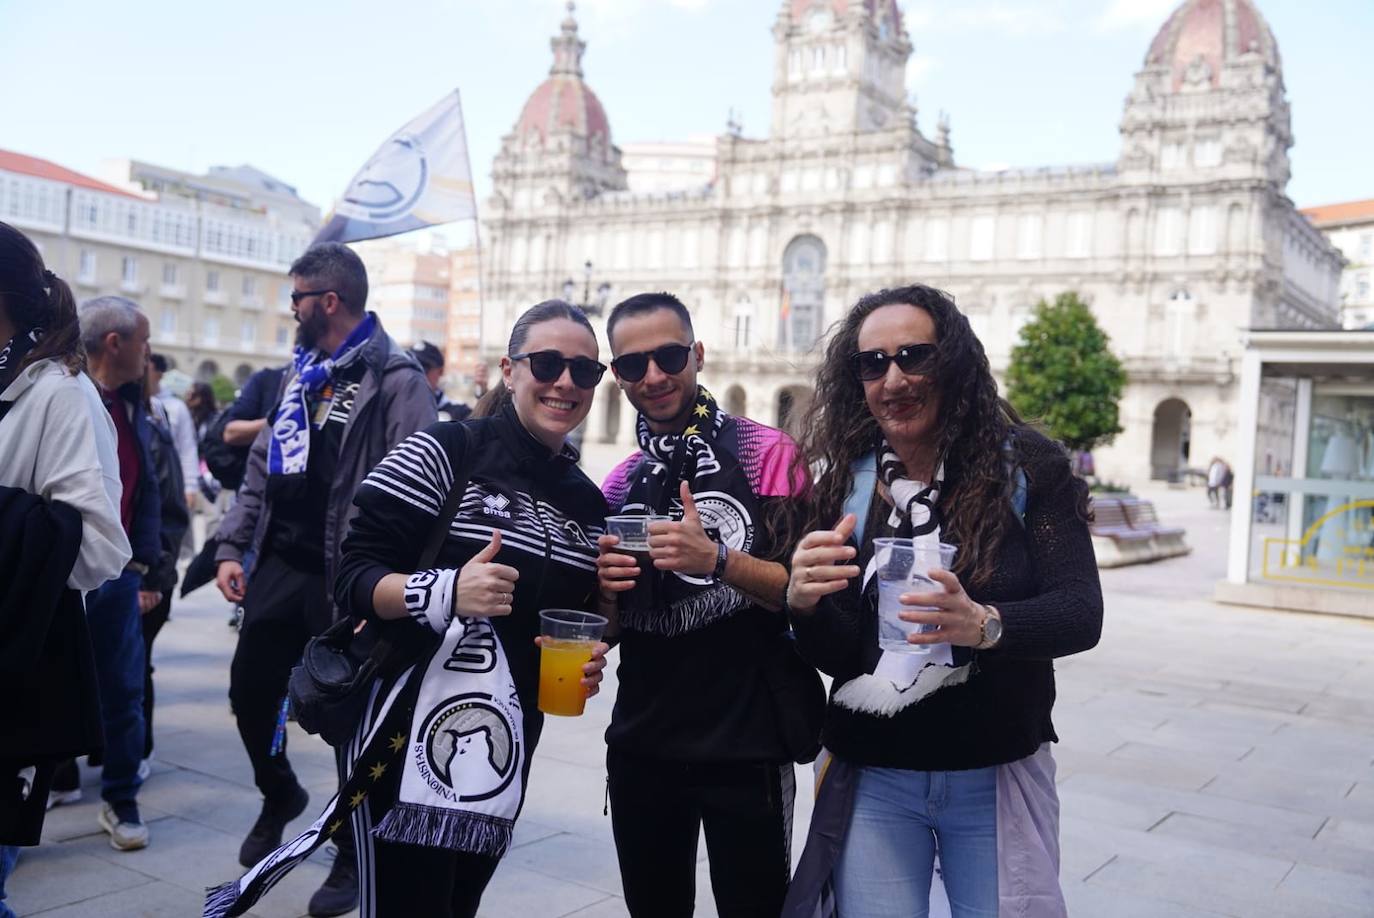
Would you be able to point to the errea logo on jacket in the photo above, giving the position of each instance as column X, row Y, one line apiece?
column 495, row 505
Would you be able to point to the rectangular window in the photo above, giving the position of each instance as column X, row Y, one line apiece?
column 283, row 336
column 744, row 322
column 212, row 280
column 1202, row 231
column 1079, row 238
column 211, row 327
column 168, row 322
column 1028, row 236
column 86, row 272
column 1207, row 152
column 128, row 271
column 248, row 332
column 937, row 240
column 1168, row 231
column 1366, row 246
column 250, row 285
column 981, row 237
column 169, row 273
column 1173, row 156
column 1362, row 288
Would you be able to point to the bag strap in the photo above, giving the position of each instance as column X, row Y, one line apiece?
column 865, row 472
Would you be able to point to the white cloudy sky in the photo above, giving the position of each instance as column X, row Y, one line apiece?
column 306, row 90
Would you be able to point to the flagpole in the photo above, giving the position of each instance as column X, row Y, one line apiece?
column 476, row 237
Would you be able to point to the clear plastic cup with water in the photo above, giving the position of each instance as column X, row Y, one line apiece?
column 903, row 566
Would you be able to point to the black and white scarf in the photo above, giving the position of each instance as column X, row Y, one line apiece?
column 453, row 727
column 13, row 353
column 688, row 602
column 900, row 680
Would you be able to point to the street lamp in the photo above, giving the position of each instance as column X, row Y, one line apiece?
column 588, row 305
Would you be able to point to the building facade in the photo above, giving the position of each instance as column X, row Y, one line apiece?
column 1184, row 241
column 408, row 286
column 204, row 256
column 1350, row 227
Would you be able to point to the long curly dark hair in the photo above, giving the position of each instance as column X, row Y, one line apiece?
column 973, row 431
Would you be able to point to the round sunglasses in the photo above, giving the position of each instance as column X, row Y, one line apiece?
column 910, row 359
column 547, row 367
column 670, row 358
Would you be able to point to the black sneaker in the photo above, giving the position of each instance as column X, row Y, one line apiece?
column 66, row 784
column 265, row 836
column 339, row 892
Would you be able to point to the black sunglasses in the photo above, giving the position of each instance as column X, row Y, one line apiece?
column 670, row 358
column 547, row 366
column 911, row 358
column 298, row 295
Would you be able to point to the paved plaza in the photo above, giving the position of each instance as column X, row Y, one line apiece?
column 1214, row 761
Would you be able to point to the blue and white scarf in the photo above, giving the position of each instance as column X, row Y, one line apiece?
column 288, row 452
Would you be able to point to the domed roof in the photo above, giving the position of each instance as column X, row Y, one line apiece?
column 1202, row 36
column 888, row 8
column 563, row 102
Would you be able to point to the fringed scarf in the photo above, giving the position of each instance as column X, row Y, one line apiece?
column 453, row 727
column 13, row 353
column 288, row 452
column 723, row 495
column 900, row 680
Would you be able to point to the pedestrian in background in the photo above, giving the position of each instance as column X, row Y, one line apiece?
column 59, row 505
column 182, row 426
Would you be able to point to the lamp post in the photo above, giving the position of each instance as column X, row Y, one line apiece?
column 588, row 305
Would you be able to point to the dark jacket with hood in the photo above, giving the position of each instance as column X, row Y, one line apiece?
column 145, row 532
column 393, row 401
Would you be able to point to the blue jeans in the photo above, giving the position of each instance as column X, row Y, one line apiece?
column 117, row 639
column 8, row 855
column 901, row 818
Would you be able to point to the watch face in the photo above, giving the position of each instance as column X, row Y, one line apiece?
column 993, row 629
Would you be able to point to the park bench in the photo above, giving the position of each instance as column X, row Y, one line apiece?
column 1126, row 530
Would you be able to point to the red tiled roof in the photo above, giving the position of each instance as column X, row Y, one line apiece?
column 1346, row 212
column 42, row 168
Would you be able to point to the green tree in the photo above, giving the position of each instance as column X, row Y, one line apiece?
column 224, row 389
column 1064, row 374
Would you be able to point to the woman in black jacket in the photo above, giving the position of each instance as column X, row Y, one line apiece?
column 524, row 539
column 911, row 440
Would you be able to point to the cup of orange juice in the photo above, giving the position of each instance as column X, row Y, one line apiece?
column 568, row 638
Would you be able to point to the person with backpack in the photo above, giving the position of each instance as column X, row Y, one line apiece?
column 351, row 395
column 945, row 746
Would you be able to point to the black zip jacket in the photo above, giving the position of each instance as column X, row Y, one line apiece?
column 548, row 512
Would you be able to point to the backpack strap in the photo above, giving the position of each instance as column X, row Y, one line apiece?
column 865, row 472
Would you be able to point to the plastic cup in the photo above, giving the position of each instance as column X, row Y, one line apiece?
column 569, row 635
column 903, row 566
column 633, row 532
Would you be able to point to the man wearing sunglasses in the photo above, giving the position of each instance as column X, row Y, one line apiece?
column 350, row 395
column 694, row 740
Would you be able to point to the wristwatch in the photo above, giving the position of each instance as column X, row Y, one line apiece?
column 990, row 631
column 722, row 555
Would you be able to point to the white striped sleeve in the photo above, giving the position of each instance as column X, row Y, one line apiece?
column 417, row 472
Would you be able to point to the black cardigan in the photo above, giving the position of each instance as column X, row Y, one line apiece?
column 47, row 671
column 1046, row 587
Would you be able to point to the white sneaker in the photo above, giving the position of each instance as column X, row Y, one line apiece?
column 59, row 797
column 144, row 769
column 124, row 836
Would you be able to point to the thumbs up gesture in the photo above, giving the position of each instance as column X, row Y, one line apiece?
column 683, row 546
column 485, row 588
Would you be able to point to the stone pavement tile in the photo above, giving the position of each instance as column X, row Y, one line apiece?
column 516, row 891
column 1330, row 854
column 1351, row 891
column 1288, row 753
column 184, row 853
column 202, row 798
column 610, row 907
column 1313, row 793
column 151, row 900
column 1177, row 773
column 528, row 831
column 1249, row 870
column 53, row 875
column 1081, row 854
column 1349, row 832
column 585, row 861
column 1128, row 813
column 1202, row 887
column 1358, row 713
column 1153, row 754
column 567, row 797
column 1088, row 900
column 1257, row 816
column 1359, row 802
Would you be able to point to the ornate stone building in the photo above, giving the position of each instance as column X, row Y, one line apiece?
column 1184, row 241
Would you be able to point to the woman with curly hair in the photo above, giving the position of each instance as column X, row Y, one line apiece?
column 941, row 743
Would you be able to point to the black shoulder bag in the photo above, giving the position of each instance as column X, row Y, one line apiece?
column 330, row 686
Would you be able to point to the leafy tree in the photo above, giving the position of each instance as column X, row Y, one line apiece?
column 224, row 389
column 1064, row 374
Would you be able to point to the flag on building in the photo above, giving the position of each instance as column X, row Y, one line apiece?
column 420, row 177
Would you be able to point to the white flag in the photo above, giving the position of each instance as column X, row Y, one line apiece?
column 420, row 177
